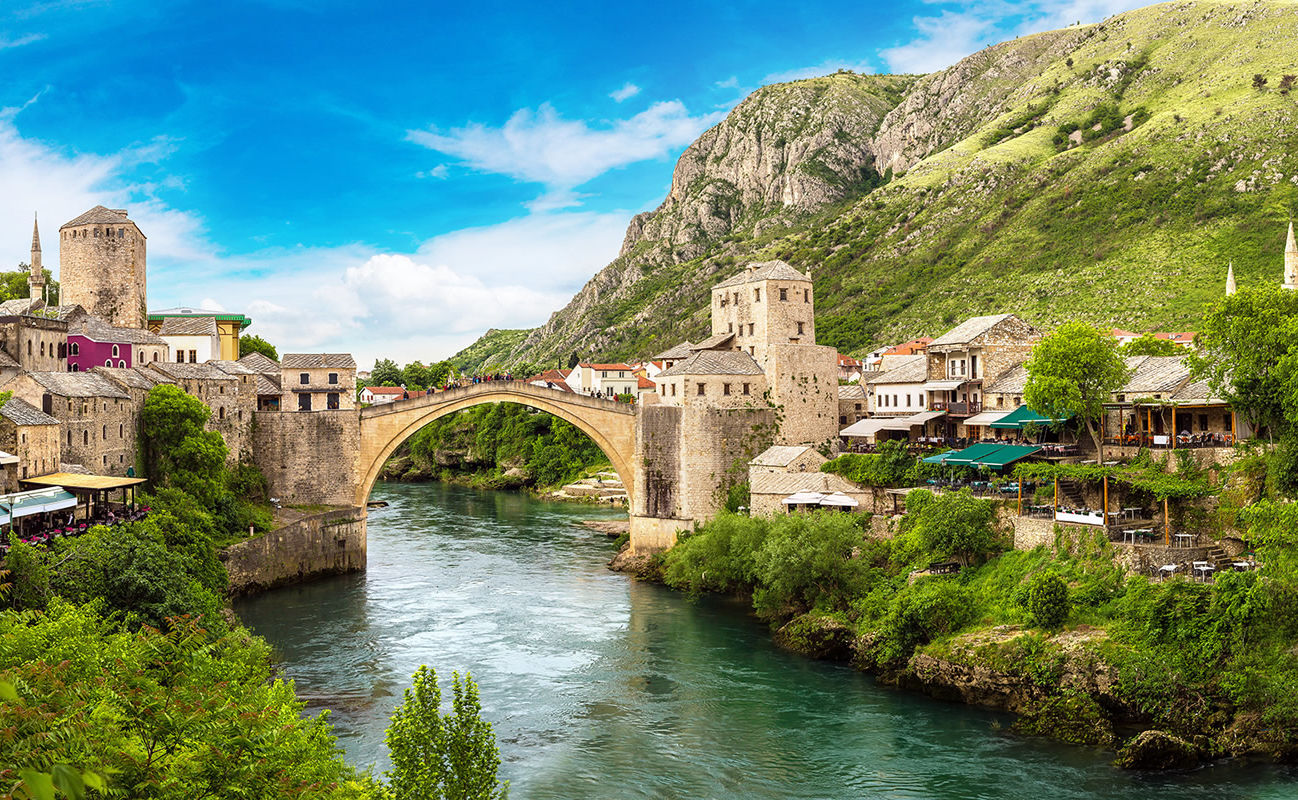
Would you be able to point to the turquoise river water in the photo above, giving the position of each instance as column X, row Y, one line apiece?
column 603, row 687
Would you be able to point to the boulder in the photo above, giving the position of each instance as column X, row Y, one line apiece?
column 1156, row 749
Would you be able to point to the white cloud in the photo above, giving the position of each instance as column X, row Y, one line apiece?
column 951, row 35
column 542, row 147
column 729, row 83
column 18, row 41
column 827, row 67
column 627, row 91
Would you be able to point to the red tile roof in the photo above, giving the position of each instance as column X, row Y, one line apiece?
column 910, row 348
column 386, row 390
column 644, row 383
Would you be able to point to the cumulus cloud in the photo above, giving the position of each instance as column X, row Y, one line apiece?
column 627, row 91
column 946, row 37
column 542, row 147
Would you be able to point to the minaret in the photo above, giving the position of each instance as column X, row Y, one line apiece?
column 1230, row 279
column 36, row 280
column 1290, row 261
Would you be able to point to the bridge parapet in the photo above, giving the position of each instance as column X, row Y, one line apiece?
column 520, row 388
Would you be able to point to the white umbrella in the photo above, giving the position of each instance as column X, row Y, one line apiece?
column 838, row 499
column 804, row 499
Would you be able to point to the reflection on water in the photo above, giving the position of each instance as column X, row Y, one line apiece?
column 602, row 687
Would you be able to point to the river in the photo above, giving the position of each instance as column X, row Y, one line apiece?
column 599, row 686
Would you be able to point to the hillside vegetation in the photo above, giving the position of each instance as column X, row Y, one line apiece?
column 1106, row 172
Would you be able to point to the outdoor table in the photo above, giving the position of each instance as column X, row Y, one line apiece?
column 1203, row 569
column 1115, row 514
column 1242, row 566
column 1187, row 538
column 1130, row 512
column 1167, row 569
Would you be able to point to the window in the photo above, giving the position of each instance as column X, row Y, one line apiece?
column 42, row 348
column 333, row 377
column 750, row 329
column 85, row 437
column 725, row 388
column 121, row 431
column 155, row 357
column 701, row 390
column 1203, row 422
column 842, row 420
column 105, row 436
column 180, row 356
column 222, row 388
column 121, row 364
column 736, row 298
column 117, row 351
column 108, row 362
column 121, row 233
column 746, row 388
column 730, row 327
column 29, row 347
column 895, row 404
column 304, row 402
column 69, row 438
column 799, row 328
column 193, row 356
column 757, row 295
column 784, row 294
column 76, row 348
column 908, row 401
column 331, row 401
column 806, row 295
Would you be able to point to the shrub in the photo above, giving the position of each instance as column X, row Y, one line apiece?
column 1047, row 600
column 806, row 562
column 924, row 611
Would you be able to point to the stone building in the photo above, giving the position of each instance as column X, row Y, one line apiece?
column 768, row 490
column 852, row 404
column 32, row 436
column 971, row 355
column 787, row 458
column 37, row 343
column 767, row 303
column 232, row 402
column 267, row 380
column 714, row 379
column 98, row 419
column 191, row 340
column 317, row 382
column 102, row 266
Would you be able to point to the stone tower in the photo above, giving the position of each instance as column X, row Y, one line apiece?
column 36, row 278
column 1230, row 279
column 1290, row 261
column 102, row 266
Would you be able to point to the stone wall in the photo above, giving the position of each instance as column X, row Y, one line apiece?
column 657, row 462
column 804, row 382
column 716, row 446
column 309, row 458
column 36, row 446
column 323, row 544
column 37, row 344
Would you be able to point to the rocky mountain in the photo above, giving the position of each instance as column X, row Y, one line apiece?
column 1108, row 172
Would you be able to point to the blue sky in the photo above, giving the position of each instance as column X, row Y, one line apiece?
column 392, row 179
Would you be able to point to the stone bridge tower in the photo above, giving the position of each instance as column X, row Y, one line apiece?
column 102, row 266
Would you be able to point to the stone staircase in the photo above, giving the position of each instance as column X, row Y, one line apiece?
column 1070, row 495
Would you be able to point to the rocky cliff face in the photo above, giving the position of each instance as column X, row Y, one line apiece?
column 997, row 185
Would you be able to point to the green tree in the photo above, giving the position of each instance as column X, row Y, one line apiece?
column 1147, row 344
column 13, row 285
column 1072, row 373
column 439, row 374
column 1047, row 600
column 385, row 373
column 438, row 756
column 179, row 451
column 255, row 344
column 1243, row 351
column 415, row 375
column 951, row 524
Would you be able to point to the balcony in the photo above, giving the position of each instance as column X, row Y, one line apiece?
column 966, row 409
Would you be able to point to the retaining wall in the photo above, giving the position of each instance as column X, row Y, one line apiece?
column 331, row 543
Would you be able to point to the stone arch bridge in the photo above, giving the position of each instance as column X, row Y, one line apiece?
column 610, row 424
column 676, row 462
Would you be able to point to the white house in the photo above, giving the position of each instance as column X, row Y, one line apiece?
column 191, row 340
column 608, row 380
column 899, row 391
column 377, row 395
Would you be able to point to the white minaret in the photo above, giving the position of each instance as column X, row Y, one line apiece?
column 36, row 279
column 1230, row 279
column 1290, row 261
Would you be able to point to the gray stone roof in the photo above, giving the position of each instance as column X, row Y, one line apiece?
column 787, row 483
column 714, row 362
column 97, row 330
column 1156, row 374
column 99, row 215
column 914, row 369
column 969, row 330
column 714, row 342
column 1196, row 392
column 318, row 361
column 780, row 455
column 20, row 412
column 7, row 361
column 19, row 305
column 70, row 313
column 232, row 367
column 78, row 384
column 267, row 384
column 763, row 271
column 852, row 391
column 204, row 371
column 676, row 353
column 188, row 326
column 132, row 377
column 260, row 363
column 1012, row 382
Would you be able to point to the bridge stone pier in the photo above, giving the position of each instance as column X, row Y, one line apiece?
column 676, row 463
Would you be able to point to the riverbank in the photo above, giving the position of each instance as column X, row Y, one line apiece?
column 1155, row 699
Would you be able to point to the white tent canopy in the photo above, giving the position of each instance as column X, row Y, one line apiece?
column 838, row 499
column 804, row 499
column 864, row 427
column 985, row 418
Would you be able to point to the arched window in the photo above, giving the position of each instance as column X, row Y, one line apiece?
column 117, row 351
column 108, row 362
column 76, row 349
column 85, row 437
column 121, row 364
column 220, row 412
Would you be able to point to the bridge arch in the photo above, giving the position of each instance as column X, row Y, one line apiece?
column 608, row 423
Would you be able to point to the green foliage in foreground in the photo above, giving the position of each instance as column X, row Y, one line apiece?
column 488, row 440
column 891, row 466
column 185, row 713
column 438, row 756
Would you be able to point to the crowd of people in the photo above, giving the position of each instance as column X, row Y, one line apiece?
column 42, row 530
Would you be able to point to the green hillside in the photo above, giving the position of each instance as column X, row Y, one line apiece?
column 1106, row 172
